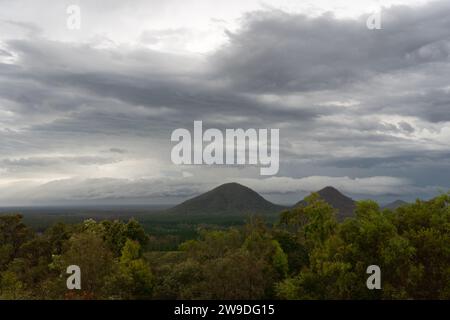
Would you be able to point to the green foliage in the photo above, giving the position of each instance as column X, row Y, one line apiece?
column 13, row 234
column 88, row 251
column 410, row 244
column 306, row 255
column 233, row 264
column 10, row 286
column 132, row 279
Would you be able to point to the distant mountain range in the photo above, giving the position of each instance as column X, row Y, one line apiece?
column 236, row 199
column 394, row 205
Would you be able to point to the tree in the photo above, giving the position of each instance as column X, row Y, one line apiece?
column 11, row 287
column 88, row 251
column 13, row 233
column 410, row 245
column 135, row 278
column 232, row 264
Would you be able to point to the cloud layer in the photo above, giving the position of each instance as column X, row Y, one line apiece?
column 364, row 110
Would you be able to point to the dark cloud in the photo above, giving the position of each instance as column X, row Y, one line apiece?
column 351, row 103
column 281, row 52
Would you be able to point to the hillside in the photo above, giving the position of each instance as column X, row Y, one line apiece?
column 337, row 200
column 394, row 205
column 227, row 199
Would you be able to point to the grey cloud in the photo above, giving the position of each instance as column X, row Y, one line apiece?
column 349, row 103
column 117, row 150
column 281, row 52
column 31, row 29
column 109, row 188
column 5, row 53
column 48, row 161
column 405, row 159
column 405, row 126
column 64, row 89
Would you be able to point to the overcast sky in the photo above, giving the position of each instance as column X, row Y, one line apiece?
column 86, row 115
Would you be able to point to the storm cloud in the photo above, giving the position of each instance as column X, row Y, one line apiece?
column 364, row 110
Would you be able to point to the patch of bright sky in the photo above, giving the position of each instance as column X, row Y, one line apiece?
column 195, row 26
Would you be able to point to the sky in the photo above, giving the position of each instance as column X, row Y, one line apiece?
column 86, row 115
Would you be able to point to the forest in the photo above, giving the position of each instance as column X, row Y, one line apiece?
column 306, row 253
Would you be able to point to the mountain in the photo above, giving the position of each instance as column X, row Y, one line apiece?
column 337, row 200
column 227, row 199
column 394, row 205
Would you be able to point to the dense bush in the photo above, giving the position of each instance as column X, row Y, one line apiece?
column 306, row 255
